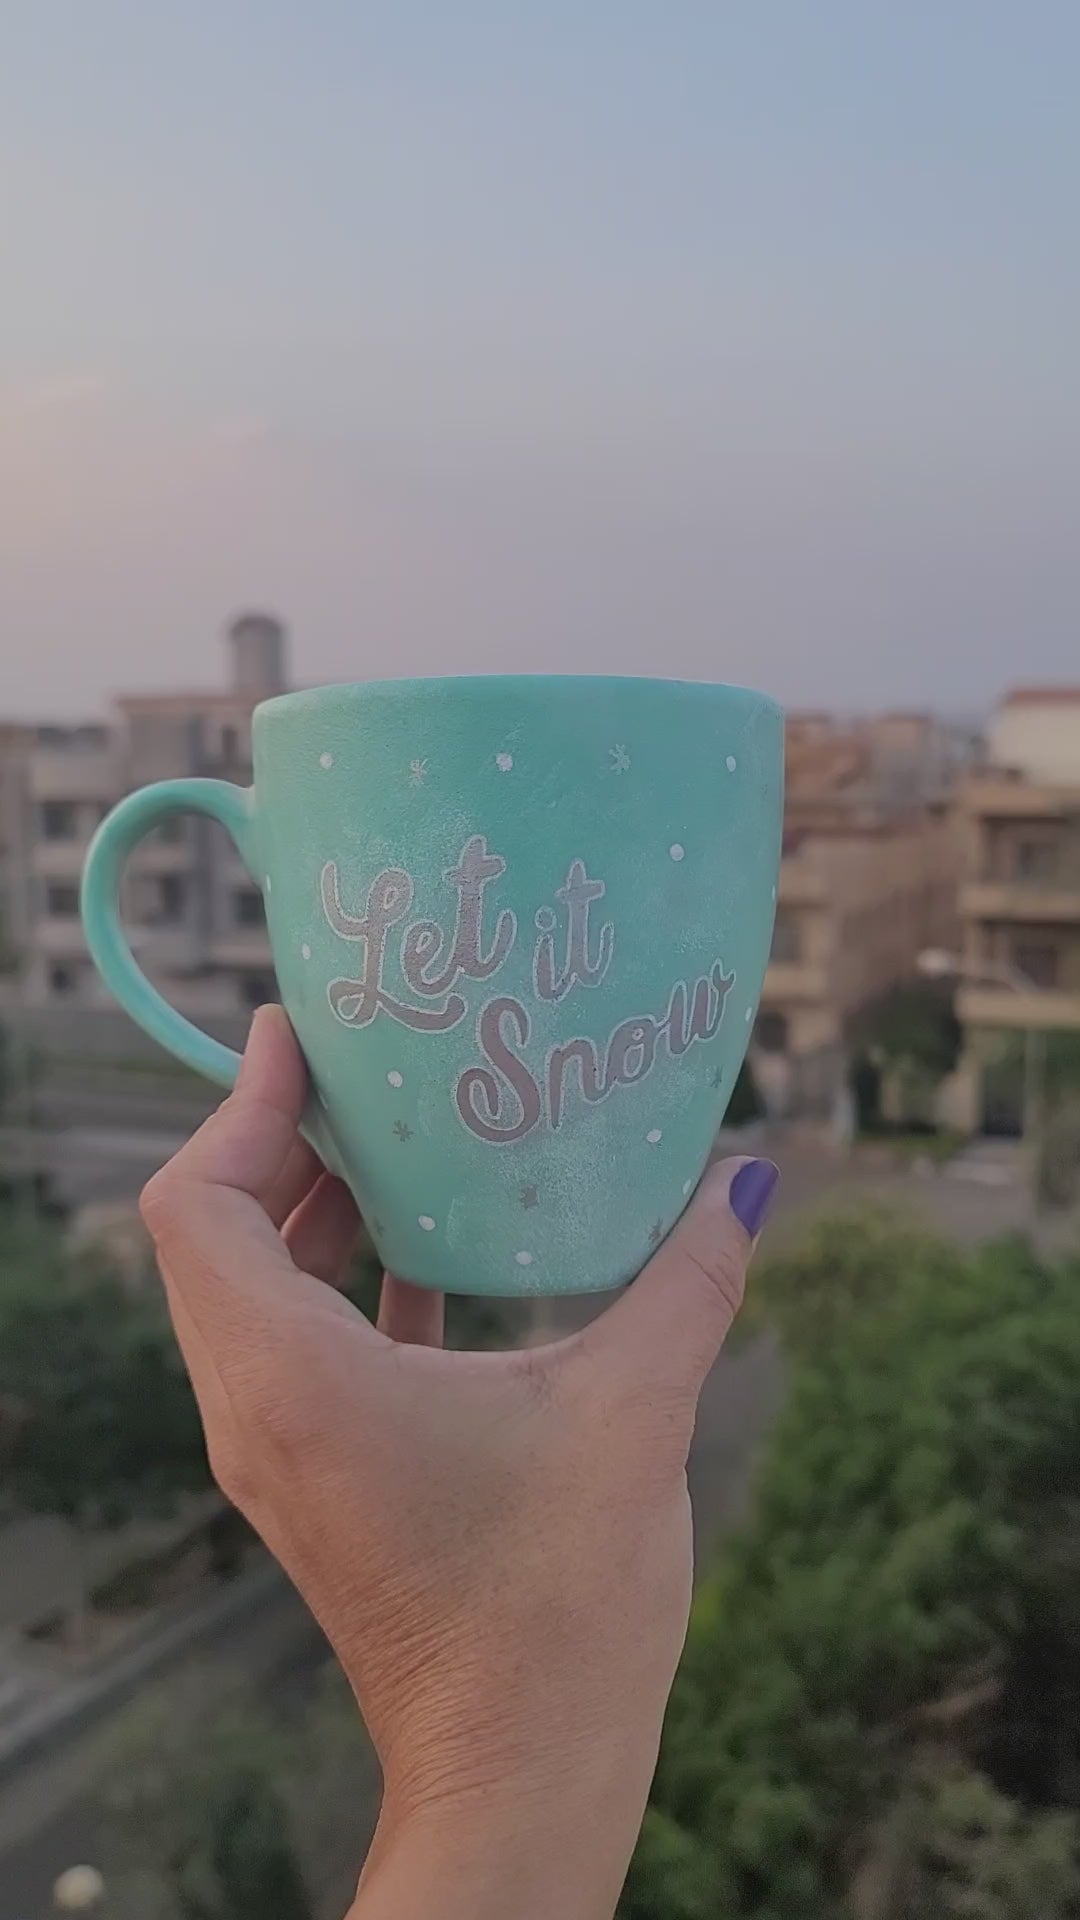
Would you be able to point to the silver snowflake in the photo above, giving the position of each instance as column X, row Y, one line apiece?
column 418, row 770
column 618, row 760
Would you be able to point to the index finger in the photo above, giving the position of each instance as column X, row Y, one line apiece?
column 207, row 1209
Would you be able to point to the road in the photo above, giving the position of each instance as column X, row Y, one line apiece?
column 47, row 1819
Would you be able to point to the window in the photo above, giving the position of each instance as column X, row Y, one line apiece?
column 1039, row 964
column 230, row 745
column 1036, row 860
column 62, row 899
column 61, row 979
column 59, row 820
column 257, row 988
column 248, row 907
column 171, row 899
column 787, row 942
column 771, row 1033
column 171, row 830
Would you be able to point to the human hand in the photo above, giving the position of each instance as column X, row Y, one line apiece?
column 498, row 1546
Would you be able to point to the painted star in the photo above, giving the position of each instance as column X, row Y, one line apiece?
column 656, row 1233
column 401, row 1131
column 377, row 1227
column 418, row 771
column 529, row 1198
column 618, row 760
column 718, row 1077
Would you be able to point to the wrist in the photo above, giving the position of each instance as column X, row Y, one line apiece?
column 509, row 1847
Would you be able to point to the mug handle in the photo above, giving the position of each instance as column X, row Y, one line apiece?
column 118, row 835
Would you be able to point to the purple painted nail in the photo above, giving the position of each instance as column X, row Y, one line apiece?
column 753, row 1191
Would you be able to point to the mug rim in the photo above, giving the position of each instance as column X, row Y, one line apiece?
column 303, row 696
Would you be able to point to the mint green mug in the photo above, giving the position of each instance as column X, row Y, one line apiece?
column 520, row 926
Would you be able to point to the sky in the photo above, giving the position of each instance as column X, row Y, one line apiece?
column 700, row 338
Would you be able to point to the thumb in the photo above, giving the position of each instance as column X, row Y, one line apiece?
column 206, row 1210
column 677, row 1314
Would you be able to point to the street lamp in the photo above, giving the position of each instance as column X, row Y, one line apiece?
column 936, row 963
column 79, row 1890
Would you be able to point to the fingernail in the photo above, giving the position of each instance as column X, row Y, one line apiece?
column 753, row 1191
column 258, row 1022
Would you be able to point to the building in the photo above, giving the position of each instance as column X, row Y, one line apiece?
column 1019, row 817
column 196, row 918
column 868, row 879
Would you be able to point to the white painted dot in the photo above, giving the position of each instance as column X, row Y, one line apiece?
column 425, row 1220
column 394, row 1078
column 269, row 884
column 306, row 951
column 504, row 762
column 749, row 1015
column 326, row 760
column 677, row 851
column 774, row 893
column 731, row 763
column 687, row 1187
column 523, row 1259
column 654, row 1134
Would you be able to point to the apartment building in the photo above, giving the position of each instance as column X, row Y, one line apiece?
column 196, row 919
column 1019, row 902
column 865, row 885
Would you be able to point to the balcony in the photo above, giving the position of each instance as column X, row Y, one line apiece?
column 997, row 797
column 77, row 773
column 794, row 982
column 160, row 856
column 1050, row 1007
column 1033, row 901
column 247, row 948
column 162, row 948
column 59, row 936
column 59, row 859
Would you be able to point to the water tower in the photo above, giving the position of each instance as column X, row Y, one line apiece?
column 257, row 645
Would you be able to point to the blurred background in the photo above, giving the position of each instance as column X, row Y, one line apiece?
column 723, row 342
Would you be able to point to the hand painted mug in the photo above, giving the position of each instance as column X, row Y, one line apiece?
column 520, row 926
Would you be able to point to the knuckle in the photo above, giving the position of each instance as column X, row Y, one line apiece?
column 231, row 1469
column 724, row 1269
column 157, row 1204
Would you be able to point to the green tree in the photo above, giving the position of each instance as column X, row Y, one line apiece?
column 243, row 1861
column 194, row 1818
column 974, row 1854
column 915, row 1538
column 202, row 1804
column 99, row 1422
column 913, row 1025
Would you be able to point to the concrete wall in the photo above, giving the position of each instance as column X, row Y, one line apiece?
column 1041, row 740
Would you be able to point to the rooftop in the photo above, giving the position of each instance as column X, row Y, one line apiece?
column 1041, row 696
column 217, row 699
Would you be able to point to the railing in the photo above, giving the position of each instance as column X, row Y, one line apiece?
column 794, row 980
column 1040, row 1008
column 1042, row 899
